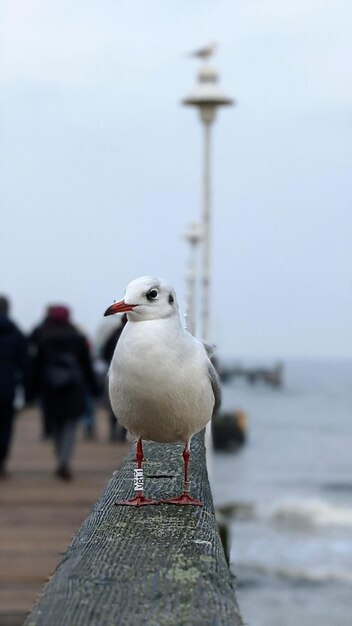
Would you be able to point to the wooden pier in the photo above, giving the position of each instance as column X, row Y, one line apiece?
column 39, row 513
column 272, row 376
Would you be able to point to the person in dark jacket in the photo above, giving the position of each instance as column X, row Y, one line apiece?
column 117, row 432
column 60, row 374
column 12, row 373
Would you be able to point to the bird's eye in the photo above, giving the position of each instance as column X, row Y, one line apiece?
column 152, row 294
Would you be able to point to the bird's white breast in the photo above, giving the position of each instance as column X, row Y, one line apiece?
column 158, row 381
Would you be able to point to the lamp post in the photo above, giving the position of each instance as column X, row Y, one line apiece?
column 207, row 97
column 193, row 236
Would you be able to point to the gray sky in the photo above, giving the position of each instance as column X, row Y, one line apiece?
column 100, row 165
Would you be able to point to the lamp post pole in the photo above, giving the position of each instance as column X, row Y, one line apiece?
column 193, row 236
column 207, row 97
column 206, row 220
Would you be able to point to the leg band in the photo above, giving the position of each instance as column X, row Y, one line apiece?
column 138, row 479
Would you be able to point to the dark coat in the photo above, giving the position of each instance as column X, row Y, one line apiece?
column 108, row 349
column 49, row 342
column 12, row 358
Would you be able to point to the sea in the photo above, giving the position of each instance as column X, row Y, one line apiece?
column 287, row 496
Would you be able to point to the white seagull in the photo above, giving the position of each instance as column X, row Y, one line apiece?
column 162, row 385
column 206, row 52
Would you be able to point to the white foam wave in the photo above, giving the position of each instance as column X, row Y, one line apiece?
column 301, row 512
column 312, row 575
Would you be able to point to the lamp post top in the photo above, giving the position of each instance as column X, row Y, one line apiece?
column 194, row 233
column 207, row 93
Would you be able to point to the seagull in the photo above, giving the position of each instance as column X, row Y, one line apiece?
column 162, row 385
column 206, row 52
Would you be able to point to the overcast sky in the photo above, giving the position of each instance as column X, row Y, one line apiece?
column 101, row 165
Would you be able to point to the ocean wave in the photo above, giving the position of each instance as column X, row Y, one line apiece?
column 291, row 512
column 318, row 575
column 306, row 513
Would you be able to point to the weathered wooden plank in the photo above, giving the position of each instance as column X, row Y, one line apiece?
column 159, row 565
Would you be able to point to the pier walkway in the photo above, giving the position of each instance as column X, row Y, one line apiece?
column 39, row 513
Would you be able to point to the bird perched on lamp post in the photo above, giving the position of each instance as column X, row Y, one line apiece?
column 206, row 52
column 162, row 385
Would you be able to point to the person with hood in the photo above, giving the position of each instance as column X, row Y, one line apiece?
column 60, row 373
column 12, row 373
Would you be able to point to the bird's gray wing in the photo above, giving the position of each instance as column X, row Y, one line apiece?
column 215, row 385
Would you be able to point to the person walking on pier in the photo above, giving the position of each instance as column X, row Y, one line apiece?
column 117, row 431
column 61, row 372
column 12, row 373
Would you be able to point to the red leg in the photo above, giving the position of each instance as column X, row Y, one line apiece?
column 185, row 497
column 139, row 499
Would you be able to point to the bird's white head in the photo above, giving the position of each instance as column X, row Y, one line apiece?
column 146, row 298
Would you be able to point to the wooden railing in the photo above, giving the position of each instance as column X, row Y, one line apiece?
column 156, row 566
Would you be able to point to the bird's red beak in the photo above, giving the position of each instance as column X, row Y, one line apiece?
column 119, row 307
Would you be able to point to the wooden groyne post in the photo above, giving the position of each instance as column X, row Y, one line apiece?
column 155, row 566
